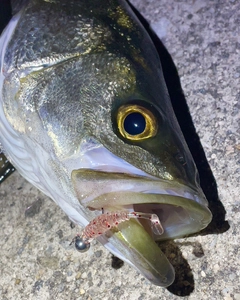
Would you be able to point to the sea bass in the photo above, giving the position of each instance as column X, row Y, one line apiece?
column 85, row 116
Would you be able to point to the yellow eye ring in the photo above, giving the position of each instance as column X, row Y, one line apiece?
column 136, row 122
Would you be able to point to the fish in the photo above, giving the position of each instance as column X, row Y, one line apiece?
column 85, row 116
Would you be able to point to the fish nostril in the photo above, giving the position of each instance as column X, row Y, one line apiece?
column 180, row 158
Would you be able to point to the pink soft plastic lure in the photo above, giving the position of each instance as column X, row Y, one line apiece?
column 105, row 222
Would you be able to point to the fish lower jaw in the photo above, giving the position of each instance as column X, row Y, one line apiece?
column 134, row 238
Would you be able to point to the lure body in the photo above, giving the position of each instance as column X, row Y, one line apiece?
column 107, row 221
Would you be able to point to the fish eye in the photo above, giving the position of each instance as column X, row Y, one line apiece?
column 136, row 122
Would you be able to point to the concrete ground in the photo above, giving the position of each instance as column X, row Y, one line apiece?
column 36, row 261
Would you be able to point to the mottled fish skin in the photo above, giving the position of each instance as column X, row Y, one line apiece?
column 68, row 70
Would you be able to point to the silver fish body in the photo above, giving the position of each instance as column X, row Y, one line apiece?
column 85, row 116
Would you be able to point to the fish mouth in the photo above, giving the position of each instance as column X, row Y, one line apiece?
column 181, row 210
column 135, row 240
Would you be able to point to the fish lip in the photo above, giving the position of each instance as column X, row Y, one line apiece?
column 129, row 183
column 150, row 261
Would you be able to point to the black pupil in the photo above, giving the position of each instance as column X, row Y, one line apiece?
column 134, row 123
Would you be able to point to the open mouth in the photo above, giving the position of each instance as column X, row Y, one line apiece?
column 179, row 209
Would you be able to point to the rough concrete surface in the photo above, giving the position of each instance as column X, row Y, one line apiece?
column 36, row 261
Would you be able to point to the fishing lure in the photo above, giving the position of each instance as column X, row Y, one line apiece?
column 107, row 221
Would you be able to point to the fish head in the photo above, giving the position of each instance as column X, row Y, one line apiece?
column 90, row 111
